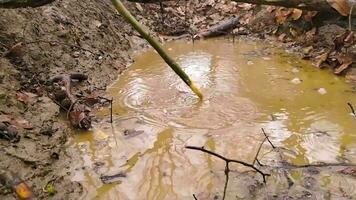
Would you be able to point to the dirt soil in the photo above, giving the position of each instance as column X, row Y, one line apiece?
column 90, row 38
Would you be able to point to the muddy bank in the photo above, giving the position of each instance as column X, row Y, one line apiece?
column 35, row 45
column 90, row 38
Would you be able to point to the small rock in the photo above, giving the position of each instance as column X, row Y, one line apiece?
column 296, row 81
column 76, row 54
column 322, row 91
column 295, row 70
column 249, row 62
column 309, row 182
column 132, row 133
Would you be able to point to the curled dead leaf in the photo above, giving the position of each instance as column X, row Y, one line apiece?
column 282, row 15
column 322, row 58
column 17, row 122
column 345, row 61
column 79, row 119
column 342, row 6
column 308, row 16
column 296, row 14
column 25, row 97
column 17, row 50
column 23, row 191
column 348, row 171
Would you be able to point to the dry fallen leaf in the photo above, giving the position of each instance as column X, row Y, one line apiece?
column 322, row 58
column 342, row 6
column 345, row 61
column 18, row 122
column 348, row 171
column 23, row 191
column 282, row 15
column 139, row 7
column 17, row 50
column 75, row 117
column 309, row 15
column 296, row 14
column 25, row 97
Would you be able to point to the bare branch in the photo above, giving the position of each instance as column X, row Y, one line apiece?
column 263, row 131
column 229, row 160
column 258, row 152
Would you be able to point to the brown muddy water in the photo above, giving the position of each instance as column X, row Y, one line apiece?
column 247, row 86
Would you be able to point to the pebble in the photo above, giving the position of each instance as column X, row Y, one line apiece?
column 249, row 62
column 296, row 81
column 322, row 91
column 295, row 70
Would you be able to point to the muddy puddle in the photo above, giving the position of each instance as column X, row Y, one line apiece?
column 247, row 86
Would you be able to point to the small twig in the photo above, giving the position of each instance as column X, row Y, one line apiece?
column 162, row 13
column 195, row 198
column 233, row 36
column 352, row 109
column 258, row 162
column 263, row 131
column 229, row 160
column 350, row 17
column 112, row 99
column 292, row 166
column 56, row 102
column 227, row 170
column 258, row 151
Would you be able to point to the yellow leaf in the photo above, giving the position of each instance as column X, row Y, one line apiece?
column 22, row 191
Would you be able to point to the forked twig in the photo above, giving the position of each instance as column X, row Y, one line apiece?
column 227, row 162
column 258, row 152
column 267, row 137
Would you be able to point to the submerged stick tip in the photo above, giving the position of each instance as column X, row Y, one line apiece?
column 196, row 91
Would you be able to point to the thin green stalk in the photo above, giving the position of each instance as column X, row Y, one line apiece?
column 176, row 68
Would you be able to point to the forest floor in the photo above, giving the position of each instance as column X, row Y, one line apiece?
column 90, row 38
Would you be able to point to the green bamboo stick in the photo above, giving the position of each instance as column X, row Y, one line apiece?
column 176, row 68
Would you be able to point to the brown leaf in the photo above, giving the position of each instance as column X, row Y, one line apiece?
column 18, row 122
column 75, row 117
column 345, row 61
column 5, row 118
column 339, row 41
column 322, row 58
column 350, row 38
column 309, row 15
column 342, row 6
column 282, row 15
column 17, row 50
column 348, row 171
column 25, row 97
column 296, row 14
